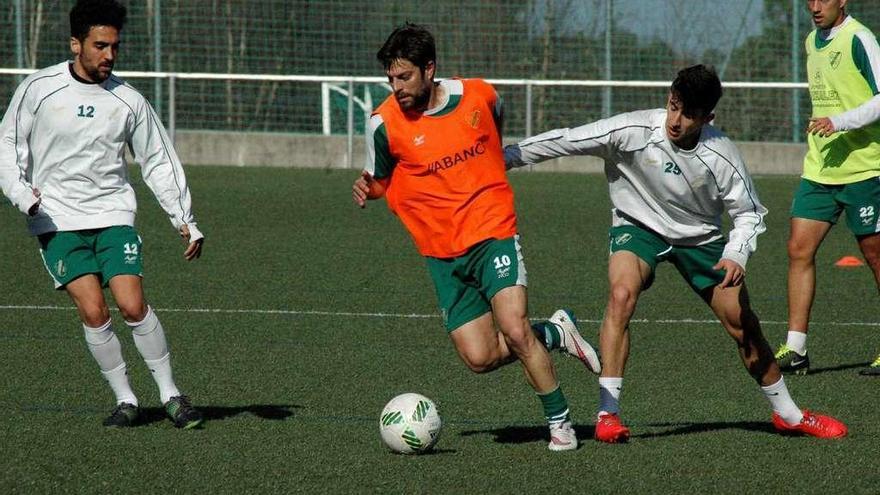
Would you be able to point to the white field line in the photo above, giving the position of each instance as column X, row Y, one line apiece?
column 354, row 314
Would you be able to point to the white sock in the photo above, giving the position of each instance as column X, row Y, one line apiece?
column 782, row 403
column 797, row 341
column 107, row 351
column 609, row 394
column 149, row 337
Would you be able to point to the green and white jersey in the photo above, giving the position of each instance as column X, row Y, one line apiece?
column 678, row 194
column 380, row 162
column 843, row 70
column 67, row 139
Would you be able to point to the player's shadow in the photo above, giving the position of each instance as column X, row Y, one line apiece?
column 271, row 412
column 842, row 367
column 676, row 429
column 526, row 434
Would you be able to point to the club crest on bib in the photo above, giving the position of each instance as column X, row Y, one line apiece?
column 834, row 59
column 473, row 119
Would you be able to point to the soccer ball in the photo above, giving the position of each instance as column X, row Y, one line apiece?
column 410, row 424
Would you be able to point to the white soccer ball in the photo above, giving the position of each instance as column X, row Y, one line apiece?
column 410, row 424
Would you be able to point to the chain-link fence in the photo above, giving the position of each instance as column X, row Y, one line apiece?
column 747, row 40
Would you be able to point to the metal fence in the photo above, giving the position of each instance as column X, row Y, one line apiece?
column 510, row 40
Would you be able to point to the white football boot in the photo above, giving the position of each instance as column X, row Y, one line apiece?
column 573, row 343
column 562, row 437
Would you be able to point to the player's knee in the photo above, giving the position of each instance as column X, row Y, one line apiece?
column 742, row 324
column 480, row 368
column 517, row 332
column 94, row 314
column 480, row 362
column 133, row 311
column 800, row 252
column 621, row 299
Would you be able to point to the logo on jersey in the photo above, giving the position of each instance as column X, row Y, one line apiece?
column 462, row 156
column 622, row 239
column 473, row 119
column 835, row 59
column 419, row 140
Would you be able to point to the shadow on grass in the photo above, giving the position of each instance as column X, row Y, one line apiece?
column 526, row 434
column 434, row 451
column 271, row 412
column 692, row 428
column 842, row 367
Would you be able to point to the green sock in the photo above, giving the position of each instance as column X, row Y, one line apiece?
column 555, row 405
column 548, row 334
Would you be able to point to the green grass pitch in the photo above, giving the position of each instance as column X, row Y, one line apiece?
column 306, row 314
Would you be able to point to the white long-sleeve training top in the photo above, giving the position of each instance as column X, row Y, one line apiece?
column 67, row 139
column 678, row 194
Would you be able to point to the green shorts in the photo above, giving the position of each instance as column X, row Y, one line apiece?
column 694, row 263
column 105, row 252
column 824, row 202
column 466, row 284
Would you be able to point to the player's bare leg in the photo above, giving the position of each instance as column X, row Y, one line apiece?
column 870, row 246
column 627, row 274
column 483, row 348
column 128, row 292
column 509, row 306
column 805, row 237
column 480, row 345
column 88, row 296
column 732, row 307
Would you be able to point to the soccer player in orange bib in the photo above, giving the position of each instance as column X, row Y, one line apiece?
column 434, row 152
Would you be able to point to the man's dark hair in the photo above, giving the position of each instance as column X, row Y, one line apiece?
column 89, row 13
column 698, row 89
column 408, row 42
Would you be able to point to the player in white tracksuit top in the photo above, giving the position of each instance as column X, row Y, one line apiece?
column 671, row 177
column 62, row 163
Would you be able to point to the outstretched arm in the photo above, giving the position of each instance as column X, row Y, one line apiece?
column 600, row 138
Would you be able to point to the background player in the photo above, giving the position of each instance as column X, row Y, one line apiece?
column 842, row 165
column 62, row 163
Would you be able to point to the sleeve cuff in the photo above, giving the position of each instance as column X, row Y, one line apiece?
column 26, row 200
column 194, row 233
column 513, row 157
column 736, row 256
